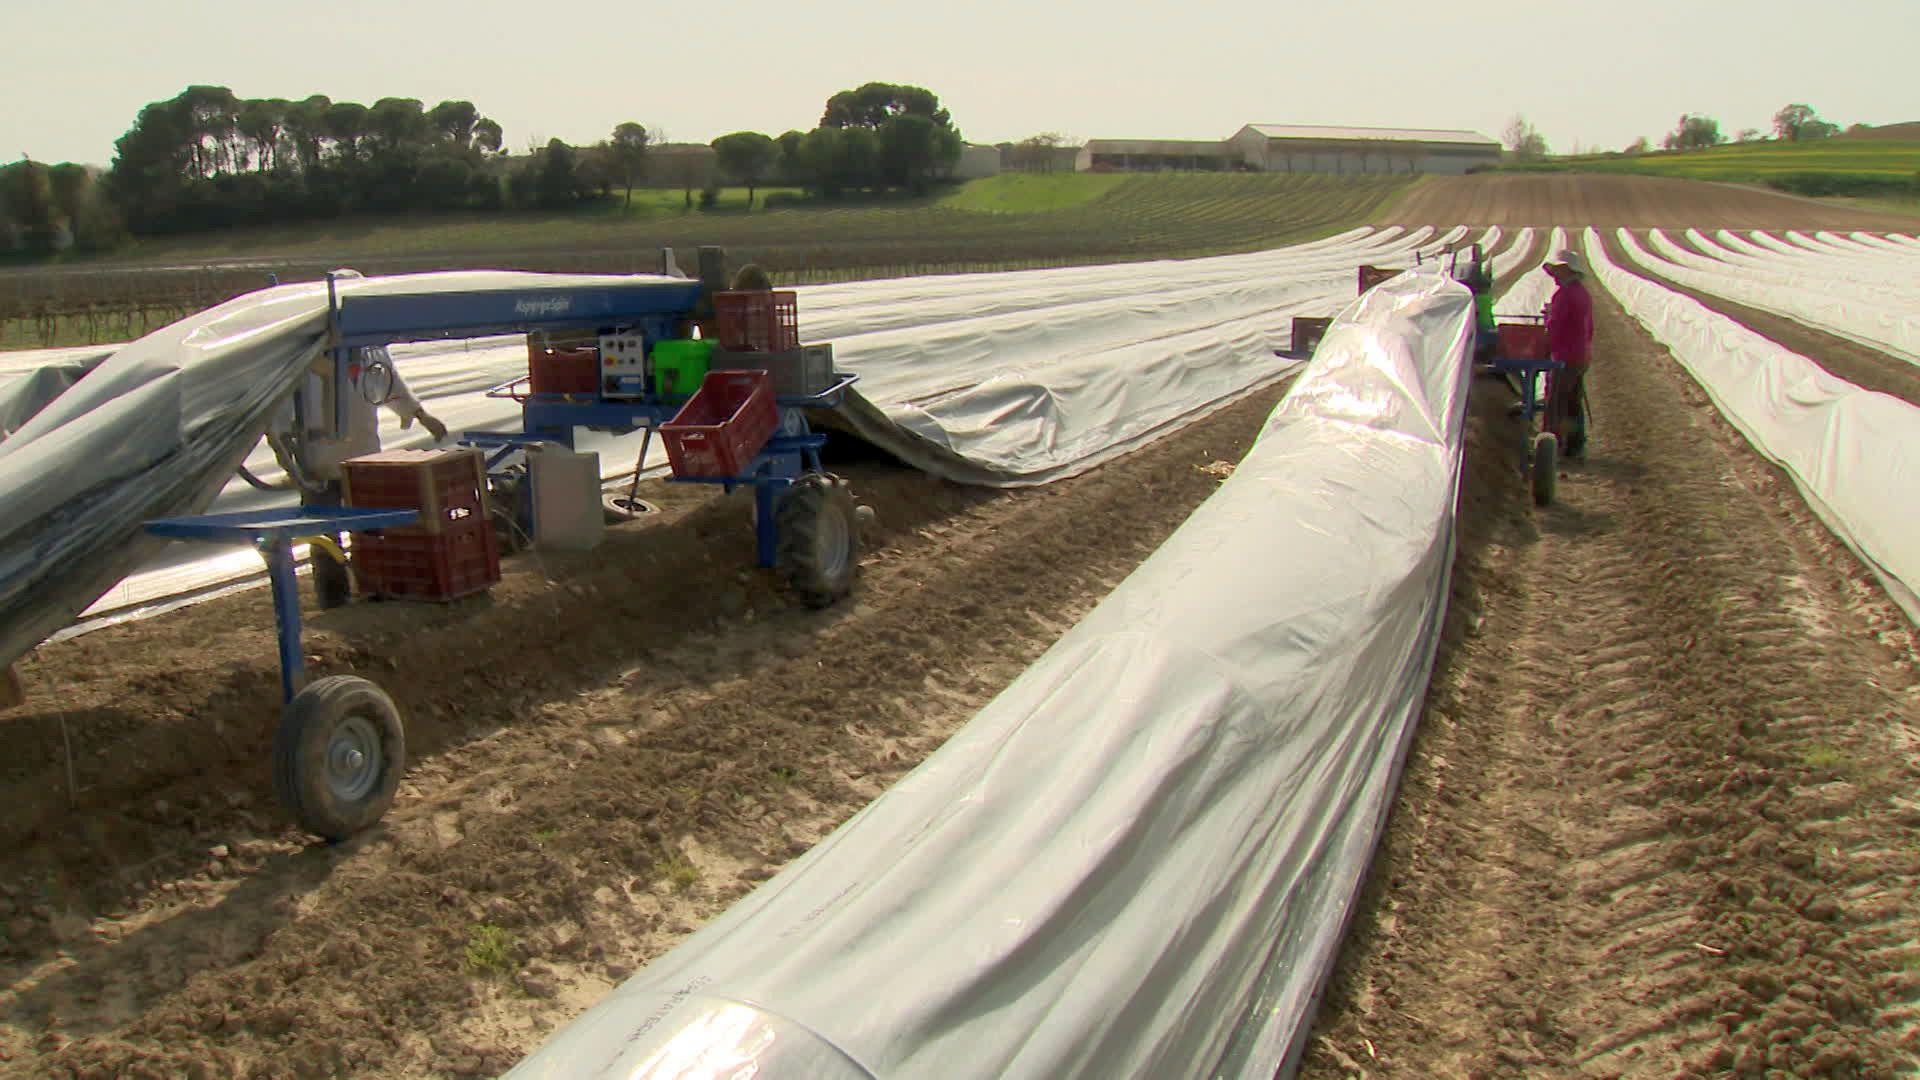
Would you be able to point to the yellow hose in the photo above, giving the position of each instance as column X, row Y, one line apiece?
column 324, row 543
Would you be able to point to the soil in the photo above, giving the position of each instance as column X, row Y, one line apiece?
column 1659, row 816
column 605, row 752
column 1607, row 201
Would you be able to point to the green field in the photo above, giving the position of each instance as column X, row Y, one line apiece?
column 1861, row 168
column 1000, row 223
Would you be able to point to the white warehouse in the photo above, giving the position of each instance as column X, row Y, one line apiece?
column 1299, row 148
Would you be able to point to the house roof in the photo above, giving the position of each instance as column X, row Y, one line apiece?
column 1366, row 134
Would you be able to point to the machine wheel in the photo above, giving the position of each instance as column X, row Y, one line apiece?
column 332, row 584
column 819, row 538
column 337, row 755
column 1546, row 467
column 621, row 507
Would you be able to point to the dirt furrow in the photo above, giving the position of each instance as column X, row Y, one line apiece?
column 1659, row 818
column 532, row 864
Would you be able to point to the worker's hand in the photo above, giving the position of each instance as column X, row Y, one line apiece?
column 433, row 425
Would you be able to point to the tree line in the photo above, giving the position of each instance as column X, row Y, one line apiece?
column 208, row 159
column 1694, row 131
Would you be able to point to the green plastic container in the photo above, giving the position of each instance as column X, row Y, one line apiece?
column 679, row 364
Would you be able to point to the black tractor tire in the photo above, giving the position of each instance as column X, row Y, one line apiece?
column 819, row 538
column 338, row 755
column 1546, row 468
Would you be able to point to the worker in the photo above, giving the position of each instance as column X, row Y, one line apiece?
column 318, row 451
column 1570, row 342
column 1479, row 279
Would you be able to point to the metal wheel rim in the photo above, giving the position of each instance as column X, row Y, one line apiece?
column 630, row 506
column 831, row 537
column 354, row 758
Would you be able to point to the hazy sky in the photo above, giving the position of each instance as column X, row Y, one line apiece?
column 73, row 74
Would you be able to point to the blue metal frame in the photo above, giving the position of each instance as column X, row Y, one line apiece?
column 653, row 307
column 795, row 451
column 272, row 533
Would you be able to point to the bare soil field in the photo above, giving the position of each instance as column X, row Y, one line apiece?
column 1659, row 817
column 606, row 751
column 1642, row 202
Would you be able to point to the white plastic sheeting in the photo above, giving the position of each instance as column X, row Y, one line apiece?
column 1806, row 297
column 156, row 428
column 1882, row 277
column 1516, row 253
column 1012, row 378
column 1139, row 859
column 1852, row 453
column 1529, row 295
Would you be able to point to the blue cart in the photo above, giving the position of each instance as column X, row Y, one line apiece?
column 340, row 747
column 1520, row 353
column 339, row 750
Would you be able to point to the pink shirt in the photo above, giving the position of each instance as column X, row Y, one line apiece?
column 1570, row 324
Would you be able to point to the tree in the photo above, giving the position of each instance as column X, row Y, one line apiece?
column 629, row 150
column 346, row 125
column 1694, row 132
column 260, row 123
column 487, row 136
column 789, row 143
column 748, row 157
column 1637, row 147
column 871, row 105
column 454, row 121
column 1749, row 135
column 1035, row 153
column 895, row 134
column 556, row 184
column 1799, row 123
column 26, row 191
column 1524, row 140
column 306, row 129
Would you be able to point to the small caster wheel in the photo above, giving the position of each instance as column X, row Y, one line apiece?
column 338, row 755
column 1546, row 467
column 619, row 507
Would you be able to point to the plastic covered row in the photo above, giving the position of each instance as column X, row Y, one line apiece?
column 1140, row 858
column 1853, row 453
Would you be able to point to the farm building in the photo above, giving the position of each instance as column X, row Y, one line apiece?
column 976, row 161
column 1298, row 148
column 1305, row 148
column 1154, row 155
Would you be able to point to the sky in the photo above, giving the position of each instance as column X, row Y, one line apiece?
column 1594, row 75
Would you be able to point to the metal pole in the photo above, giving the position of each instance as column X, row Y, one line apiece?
column 286, row 615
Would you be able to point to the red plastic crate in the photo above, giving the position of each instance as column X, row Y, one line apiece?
column 757, row 321
column 446, row 486
column 404, row 564
column 563, row 371
column 1521, row 341
column 720, row 429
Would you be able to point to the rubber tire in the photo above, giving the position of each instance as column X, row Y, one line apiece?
column 332, row 584
column 807, row 517
column 614, row 505
column 1546, row 467
column 300, row 746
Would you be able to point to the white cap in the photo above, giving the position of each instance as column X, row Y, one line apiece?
column 1570, row 259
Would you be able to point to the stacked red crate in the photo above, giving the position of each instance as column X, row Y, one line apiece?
column 452, row 552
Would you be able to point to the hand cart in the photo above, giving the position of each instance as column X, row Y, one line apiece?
column 340, row 747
